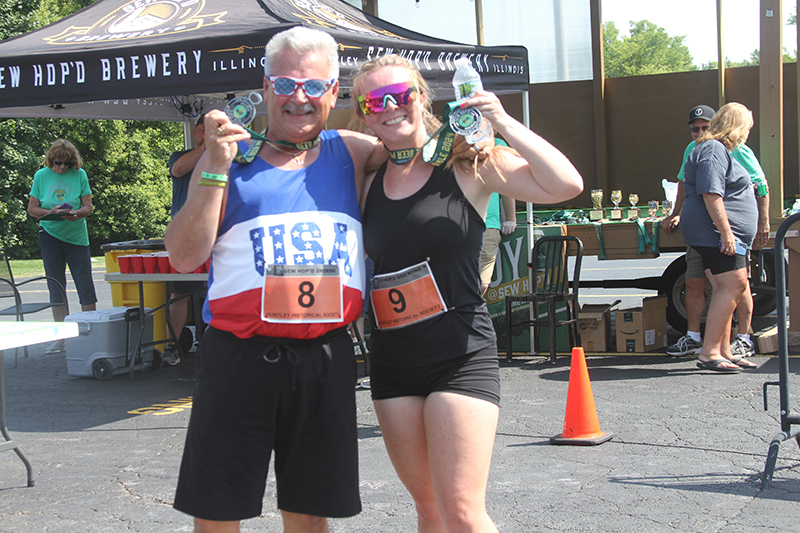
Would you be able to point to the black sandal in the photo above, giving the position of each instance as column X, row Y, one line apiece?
column 715, row 365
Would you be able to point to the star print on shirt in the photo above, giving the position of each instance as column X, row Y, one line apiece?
column 257, row 238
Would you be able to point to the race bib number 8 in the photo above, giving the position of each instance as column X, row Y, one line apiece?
column 406, row 297
column 297, row 294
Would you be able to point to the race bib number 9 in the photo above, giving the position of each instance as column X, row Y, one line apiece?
column 297, row 294
column 406, row 297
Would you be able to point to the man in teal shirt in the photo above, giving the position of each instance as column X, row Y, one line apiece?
column 495, row 230
column 695, row 298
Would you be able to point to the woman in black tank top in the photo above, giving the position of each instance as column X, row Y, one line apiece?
column 435, row 375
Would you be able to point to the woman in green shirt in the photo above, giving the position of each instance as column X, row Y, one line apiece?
column 60, row 199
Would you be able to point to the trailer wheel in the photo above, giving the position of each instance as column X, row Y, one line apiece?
column 674, row 286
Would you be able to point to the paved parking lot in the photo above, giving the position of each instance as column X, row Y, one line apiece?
column 688, row 450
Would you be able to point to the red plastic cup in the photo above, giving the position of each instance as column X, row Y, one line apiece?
column 150, row 262
column 124, row 264
column 137, row 265
column 163, row 264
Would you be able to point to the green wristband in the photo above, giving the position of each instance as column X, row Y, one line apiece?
column 214, row 177
column 210, row 182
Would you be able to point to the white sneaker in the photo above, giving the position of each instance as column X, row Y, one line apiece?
column 56, row 347
column 366, row 384
column 741, row 347
column 685, row 346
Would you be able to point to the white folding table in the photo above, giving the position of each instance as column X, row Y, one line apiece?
column 15, row 335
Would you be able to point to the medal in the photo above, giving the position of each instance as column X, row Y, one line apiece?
column 242, row 109
column 466, row 121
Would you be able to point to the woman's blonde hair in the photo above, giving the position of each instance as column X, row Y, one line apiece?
column 63, row 150
column 730, row 126
column 432, row 123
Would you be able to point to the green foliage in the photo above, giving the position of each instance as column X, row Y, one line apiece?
column 50, row 11
column 126, row 161
column 16, row 17
column 648, row 50
column 20, row 158
column 753, row 61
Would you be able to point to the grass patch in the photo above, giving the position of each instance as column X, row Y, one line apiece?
column 30, row 268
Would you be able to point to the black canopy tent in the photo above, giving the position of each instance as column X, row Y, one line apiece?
column 165, row 59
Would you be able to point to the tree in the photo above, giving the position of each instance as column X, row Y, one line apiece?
column 50, row 11
column 15, row 17
column 755, row 55
column 648, row 50
column 753, row 61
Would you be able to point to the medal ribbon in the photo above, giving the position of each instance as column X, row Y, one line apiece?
column 434, row 157
column 252, row 152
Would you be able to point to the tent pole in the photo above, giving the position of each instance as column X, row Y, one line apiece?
column 479, row 21
column 187, row 134
column 526, row 120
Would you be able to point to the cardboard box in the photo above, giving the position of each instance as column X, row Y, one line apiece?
column 594, row 326
column 767, row 340
column 642, row 329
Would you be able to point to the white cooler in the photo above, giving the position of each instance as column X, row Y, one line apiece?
column 99, row 348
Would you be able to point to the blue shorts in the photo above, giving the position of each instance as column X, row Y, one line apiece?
column 56, row 255
column 259, row 395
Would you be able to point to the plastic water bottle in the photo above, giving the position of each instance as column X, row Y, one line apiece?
column 466, row 80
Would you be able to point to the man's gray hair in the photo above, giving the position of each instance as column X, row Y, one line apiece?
column 303, row 40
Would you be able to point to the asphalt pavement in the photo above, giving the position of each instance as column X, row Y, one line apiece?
column 688, row 450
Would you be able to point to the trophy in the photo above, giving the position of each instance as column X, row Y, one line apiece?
column 597, row 213
column 666, row 207
column 616, row 197
column 652, row 207
column 633, row 212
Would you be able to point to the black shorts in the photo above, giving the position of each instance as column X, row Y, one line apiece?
column 253, row 396
column 475, row 374
column 719, row 263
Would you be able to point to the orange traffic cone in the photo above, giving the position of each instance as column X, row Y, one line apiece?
column 581, row 426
